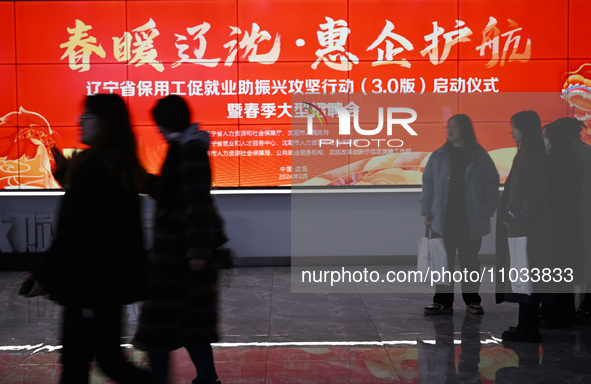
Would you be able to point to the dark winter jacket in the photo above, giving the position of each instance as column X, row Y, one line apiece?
column 564, row 188
column 526, row 196
column 97, row 258
column 182, row 309
column 583, row 153
column 481, row 183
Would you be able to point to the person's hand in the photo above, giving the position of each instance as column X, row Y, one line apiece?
column 36, row 290
column 427, row 219
column 508, row 219
column 61, row 162
column 197, row 264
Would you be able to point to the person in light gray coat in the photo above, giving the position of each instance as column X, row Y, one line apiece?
column 459, row 197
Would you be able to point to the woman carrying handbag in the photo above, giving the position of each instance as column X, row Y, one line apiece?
column 459, row 197
column 524, row 211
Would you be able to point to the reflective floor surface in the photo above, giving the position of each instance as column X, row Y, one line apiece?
column 271, row 335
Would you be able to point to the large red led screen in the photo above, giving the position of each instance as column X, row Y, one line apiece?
column 257, row 74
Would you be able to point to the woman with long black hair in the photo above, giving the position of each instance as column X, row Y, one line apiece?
column 96, row 263
column 524, row 210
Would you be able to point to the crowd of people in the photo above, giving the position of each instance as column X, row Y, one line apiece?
column 543, row 201
column 98, row 263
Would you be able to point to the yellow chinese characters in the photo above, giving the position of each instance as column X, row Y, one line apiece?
column 333, row 37
column 80, row 46
column 491, row 39
column 138, row 47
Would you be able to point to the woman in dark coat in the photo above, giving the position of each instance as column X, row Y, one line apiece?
column 182, row 271
column 564, row 171
column 96, row 263
column 524, row 211
column 582, row 152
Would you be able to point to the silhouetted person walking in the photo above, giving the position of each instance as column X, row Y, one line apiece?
column 182, row 269
column 96, row 263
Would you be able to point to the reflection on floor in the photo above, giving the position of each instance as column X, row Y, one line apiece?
column 271, row 335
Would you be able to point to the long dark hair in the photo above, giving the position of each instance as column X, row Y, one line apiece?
column 530, row 126
column 114, row 122
column 115, row 143
column 466, row 131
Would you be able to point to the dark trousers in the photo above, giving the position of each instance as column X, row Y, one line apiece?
column 457, row 239
column 95, row 333
column 201, row 356
column 562, row 311
column 529, row 318
column 586, row 303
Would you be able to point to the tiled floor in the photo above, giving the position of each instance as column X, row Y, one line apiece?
column 271, row 335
